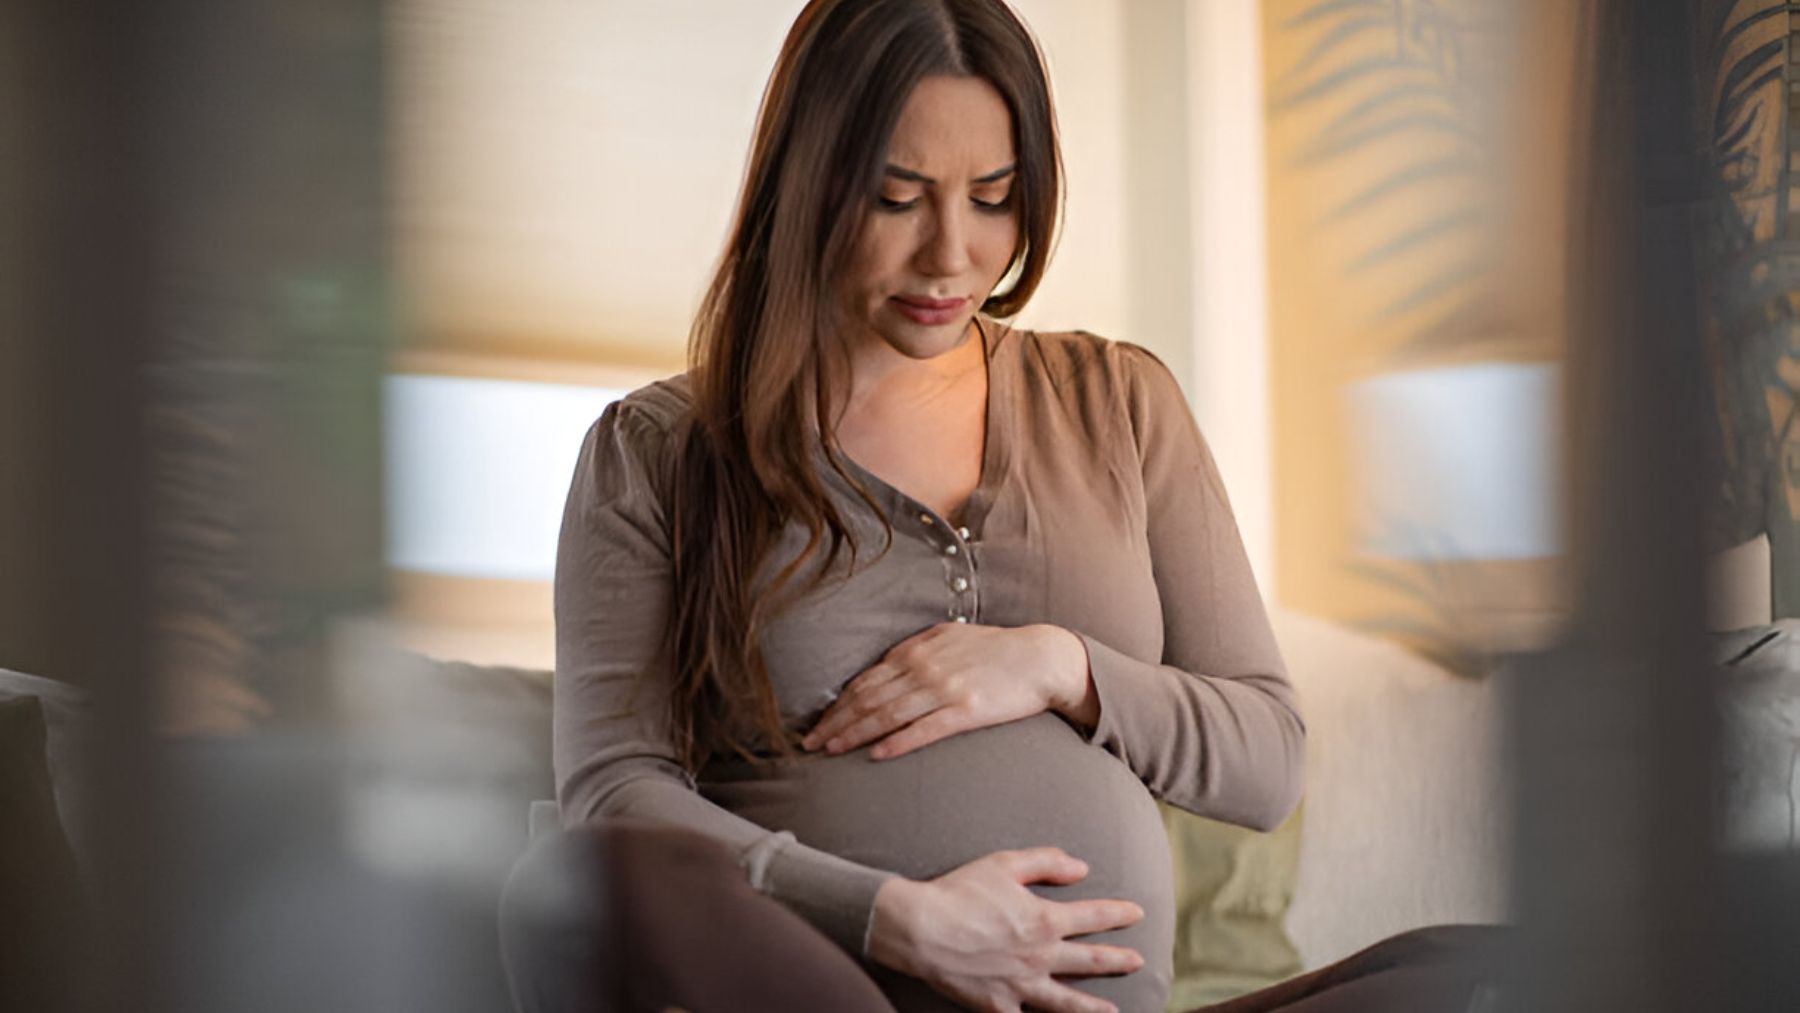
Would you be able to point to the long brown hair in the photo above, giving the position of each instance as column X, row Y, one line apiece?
column 767, row 337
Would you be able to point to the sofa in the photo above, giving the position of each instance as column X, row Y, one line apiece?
column 437, row 763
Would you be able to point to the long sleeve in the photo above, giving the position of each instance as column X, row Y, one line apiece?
column 1214, row 728
column 613, row 749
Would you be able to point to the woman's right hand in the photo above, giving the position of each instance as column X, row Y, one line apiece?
column 977, row 935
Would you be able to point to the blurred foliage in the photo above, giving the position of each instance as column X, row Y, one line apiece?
column 1752, row 280
column 1402, row 99
column 1413, row 88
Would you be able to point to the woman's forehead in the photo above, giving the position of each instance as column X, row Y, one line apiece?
column 953, row 129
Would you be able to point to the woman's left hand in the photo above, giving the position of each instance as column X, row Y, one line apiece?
column 957, row 677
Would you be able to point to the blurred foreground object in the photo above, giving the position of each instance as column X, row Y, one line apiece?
column 1627, row 900
column 75, row 295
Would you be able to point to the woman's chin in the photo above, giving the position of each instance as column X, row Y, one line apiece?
column 917, row 340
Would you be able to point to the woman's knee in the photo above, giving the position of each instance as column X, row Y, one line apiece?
column 637, row 917
column 577, row 901
column 587, row 878
column 1441, row 944
column 554, row 884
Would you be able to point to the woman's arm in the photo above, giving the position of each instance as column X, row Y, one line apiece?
column 975, row 932
column 1214, row 727
column 613, row 750
column 1211, row 727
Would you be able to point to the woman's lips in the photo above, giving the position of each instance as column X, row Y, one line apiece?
column 930, row 312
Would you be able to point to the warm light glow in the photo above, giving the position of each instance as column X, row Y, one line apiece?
column 477, row 472
column 1459, row 463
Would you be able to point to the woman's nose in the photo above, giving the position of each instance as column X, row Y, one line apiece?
column 946, row 248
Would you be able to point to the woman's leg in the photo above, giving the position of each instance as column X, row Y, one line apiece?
column 1442, row 969
column 645, row 918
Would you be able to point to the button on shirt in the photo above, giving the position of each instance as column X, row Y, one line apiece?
column 1099, row 509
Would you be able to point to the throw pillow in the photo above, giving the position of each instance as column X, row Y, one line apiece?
column 1232, row 891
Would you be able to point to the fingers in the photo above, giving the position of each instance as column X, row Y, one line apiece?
column 939, row 724
column 1043, row 865
column 870, row 678
column 905, row 708
column 1073, row 917
column 867, row 711
column 853, row 703
column 1080, row 917
column 1089, row 960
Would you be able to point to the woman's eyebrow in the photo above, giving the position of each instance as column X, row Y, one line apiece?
column 918, row 177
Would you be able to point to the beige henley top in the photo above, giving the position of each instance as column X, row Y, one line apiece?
column 1099, row 509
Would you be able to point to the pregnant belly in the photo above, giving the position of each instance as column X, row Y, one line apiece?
column 1025, row 784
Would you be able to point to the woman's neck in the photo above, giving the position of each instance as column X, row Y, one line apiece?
column 883, row 380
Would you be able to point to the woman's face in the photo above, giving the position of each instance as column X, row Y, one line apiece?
column 941, row 233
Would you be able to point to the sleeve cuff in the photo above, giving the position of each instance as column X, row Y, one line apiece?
column 1106, row 665
column 835, row 895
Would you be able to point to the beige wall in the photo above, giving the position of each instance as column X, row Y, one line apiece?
column 564, row 180
column 1228, row 290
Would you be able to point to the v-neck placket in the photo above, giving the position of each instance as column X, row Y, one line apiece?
column 957, row 545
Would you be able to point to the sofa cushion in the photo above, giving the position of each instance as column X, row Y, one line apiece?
column 1407, row 798
column 448, row 757
column 1759, row 705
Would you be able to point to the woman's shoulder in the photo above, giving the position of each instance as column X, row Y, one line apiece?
column 635, row 442
column 669, row 401
column 1086, row 359
column 653, row 414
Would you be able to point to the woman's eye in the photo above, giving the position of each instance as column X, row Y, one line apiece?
column 890, row 204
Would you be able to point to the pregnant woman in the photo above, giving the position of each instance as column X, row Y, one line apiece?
column 886, row 624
